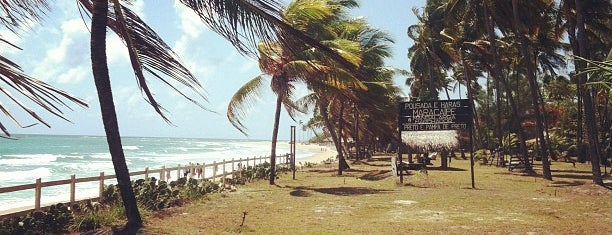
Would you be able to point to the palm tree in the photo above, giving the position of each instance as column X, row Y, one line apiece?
column 290, row 64
column 520, row 31
column 284, row 72
column 241, row 22
column 52, row 100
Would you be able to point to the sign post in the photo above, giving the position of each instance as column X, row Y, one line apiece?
column 436, row 115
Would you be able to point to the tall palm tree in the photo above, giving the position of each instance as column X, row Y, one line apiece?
column 520, row 32
column 294, row 63
column 241, row 22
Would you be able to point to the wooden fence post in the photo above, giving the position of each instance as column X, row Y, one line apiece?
column 178, row 171
column 223, row 178
column 247, row 162
column 203, row 170
column 102, row 185
column 37, row 194
column 214, row 171
column 233, row 165
column 146, row 173
column 72, row 189
column 162, row 175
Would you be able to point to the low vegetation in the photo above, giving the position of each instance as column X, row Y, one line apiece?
column 368, row 200
column 152, row 196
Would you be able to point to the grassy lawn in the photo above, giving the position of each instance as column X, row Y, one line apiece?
column 369, row 200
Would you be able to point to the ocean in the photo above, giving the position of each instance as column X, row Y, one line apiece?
column 52, row 157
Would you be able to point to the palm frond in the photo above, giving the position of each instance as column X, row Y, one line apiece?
column 245, row 23
column 244, row 98
column 17, row 14
column 42, row 94
column 148, row 52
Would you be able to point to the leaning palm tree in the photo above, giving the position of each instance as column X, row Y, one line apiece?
column 289, row 64
column 242, row 22
column 17, row 15
column 284, row 72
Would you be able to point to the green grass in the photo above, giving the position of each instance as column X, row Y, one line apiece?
column 368, row 200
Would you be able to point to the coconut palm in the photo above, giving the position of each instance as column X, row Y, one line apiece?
column 288, row 65
column 240, row 22
column 520, row 31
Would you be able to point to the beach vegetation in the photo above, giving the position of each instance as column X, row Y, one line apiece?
column 534, row 71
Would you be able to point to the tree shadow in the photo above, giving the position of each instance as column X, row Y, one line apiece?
column 349, row 191
column 323, row 170
column 300, row 193
column 439, row 168
column 571, row 171
column 360, row 162
column 572, row 176
column 338, row 191
column 561, row 184
column 377, row 175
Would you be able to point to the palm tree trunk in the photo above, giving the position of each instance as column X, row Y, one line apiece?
column 279, row 101
column 496, row 75
column 330, row 128
column 341, row 160
column 470, row 93
column 533, row 86
column 516, row 121
column 589, row 112
column 109, row 116
column 573, row 39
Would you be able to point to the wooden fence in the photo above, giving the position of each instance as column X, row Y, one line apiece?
column 223, row 166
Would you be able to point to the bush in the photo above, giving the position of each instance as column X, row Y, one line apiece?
column 54, row 221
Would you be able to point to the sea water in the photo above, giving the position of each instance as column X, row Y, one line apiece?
column 51, row 158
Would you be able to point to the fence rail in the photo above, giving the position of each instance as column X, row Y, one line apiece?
column 236, row 164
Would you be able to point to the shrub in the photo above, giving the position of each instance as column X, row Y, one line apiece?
column 54, row 221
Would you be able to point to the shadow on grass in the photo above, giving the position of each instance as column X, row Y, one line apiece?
column 349, row 191
column 332, row 170
column 377, row 175
column 439, row 168
column 338, row 191
column 571, row 171
column 300, row 193
column 562, row 184
column 378, row 164
column 571, row 176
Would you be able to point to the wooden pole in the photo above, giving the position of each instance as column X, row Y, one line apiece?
column 214, row 171
column 146, row 172
column 72, row 188
column 37, row 194
column 223, row 172
column 101, row 186
column 178, row 171
column 162, row 175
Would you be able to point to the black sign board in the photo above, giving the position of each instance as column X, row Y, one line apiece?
column 435, row 115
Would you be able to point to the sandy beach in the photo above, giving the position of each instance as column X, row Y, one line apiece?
column 322, row 153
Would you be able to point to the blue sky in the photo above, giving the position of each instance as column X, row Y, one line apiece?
column 57, row 52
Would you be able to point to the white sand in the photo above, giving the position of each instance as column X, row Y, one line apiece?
column 322, row 153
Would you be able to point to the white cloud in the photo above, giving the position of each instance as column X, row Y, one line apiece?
column 73, row 75
column 116, row 51
column 6, row 49
column 70, row 53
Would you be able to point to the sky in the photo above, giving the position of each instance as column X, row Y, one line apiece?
column 57, row 52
